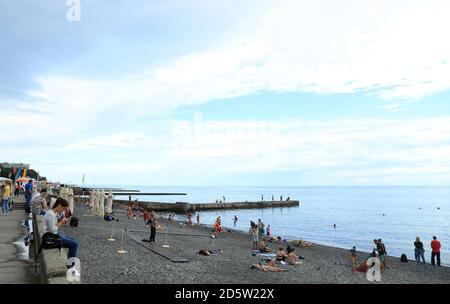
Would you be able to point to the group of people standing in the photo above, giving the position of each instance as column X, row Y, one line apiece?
column 419, row 251
column 258, row 231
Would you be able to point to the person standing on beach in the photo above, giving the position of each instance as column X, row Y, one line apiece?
column 198, row 219
column 254, row 237
column 146, row 215
column 268, row 231
column 223, row 199
column 381, row 253
column 272, row 198
column 281, row 198
column 260, row 229
column 419, row 251
column 435, row 251
column 353, row 258
column 28, row 194
column 235, row 220
column 151, row 224
column 262, row 197
column 383, row 259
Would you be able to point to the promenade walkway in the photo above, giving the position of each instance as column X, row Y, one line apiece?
column 12, row 269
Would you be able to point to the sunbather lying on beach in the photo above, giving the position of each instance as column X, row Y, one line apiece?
column 270, row 266
column 274, row 239
column 303, row 244
column 210, row 252
column 293, row 259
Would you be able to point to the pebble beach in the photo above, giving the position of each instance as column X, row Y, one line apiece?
column 101, row 264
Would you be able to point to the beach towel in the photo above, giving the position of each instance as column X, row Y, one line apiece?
column 362, row 268
column 269, row 255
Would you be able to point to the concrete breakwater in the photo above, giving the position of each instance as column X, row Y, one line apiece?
column 183, row 207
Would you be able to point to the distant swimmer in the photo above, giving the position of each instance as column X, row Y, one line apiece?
column 439, row 208
column 334, row 226
column 384, row 214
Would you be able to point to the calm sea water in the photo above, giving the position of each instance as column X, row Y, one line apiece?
column 409, row 211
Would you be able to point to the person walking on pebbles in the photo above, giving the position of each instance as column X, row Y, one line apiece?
column 151, row 224
column 435, row 251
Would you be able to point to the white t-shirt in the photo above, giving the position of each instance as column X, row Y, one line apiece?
column 49, row 222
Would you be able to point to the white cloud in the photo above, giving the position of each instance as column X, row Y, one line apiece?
column 391, row 50
column 406, row 150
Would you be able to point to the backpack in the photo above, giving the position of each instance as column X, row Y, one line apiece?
column 403, row 258
column 49, row 241
column 73, row 221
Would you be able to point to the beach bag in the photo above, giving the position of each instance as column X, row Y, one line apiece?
column 403, row 258
column 73, row 222
column 49, row 241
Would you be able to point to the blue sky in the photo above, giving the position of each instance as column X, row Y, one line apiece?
column 228, row 93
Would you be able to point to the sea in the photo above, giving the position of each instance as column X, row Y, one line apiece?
column 396, row 214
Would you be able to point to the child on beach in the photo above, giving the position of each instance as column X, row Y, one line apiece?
column 129, row 212
column 189, row 216
column 268, row 231
column 254, row 237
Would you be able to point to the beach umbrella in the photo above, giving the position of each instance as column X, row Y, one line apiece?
column 71, row 205
column 101, row 210
column 110, row 202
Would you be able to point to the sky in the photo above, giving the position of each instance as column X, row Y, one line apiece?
column 227, row 93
